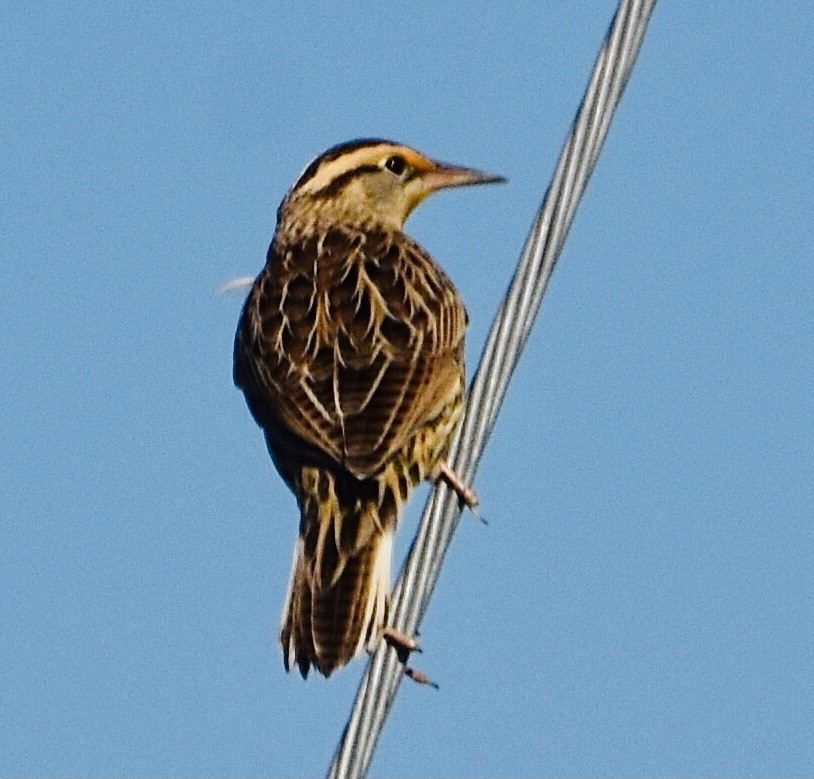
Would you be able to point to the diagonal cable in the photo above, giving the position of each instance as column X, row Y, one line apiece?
column 504, row 345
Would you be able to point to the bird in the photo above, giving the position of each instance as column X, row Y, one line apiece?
column 350, row 354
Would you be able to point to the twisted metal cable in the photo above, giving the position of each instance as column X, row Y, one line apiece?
column 505, row 343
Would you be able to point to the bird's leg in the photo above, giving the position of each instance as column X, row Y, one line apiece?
column 404, row 644
column 466, row 495
column 419, row 677
column 401, row 642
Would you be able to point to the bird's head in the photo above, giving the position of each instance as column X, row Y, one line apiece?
column 373, row 181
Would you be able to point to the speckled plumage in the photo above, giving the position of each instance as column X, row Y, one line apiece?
column 350, row 354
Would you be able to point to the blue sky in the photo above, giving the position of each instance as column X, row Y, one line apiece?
column 642, row 599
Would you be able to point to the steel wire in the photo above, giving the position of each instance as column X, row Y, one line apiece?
column 509, row 333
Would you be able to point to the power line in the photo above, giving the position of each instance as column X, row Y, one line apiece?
column 506, row 340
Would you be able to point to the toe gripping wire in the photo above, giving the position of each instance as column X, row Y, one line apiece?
column 506, row 340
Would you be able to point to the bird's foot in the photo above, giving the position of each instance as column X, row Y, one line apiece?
column 401, row 642
column 419, row 677
column 404, row 644
column 466, row 495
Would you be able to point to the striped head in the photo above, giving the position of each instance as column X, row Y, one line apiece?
column 371, row 181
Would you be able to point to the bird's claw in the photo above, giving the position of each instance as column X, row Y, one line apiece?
column 466, row 495
column 419, row 677
column 401, row 642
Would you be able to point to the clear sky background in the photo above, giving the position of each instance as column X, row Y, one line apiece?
column 642, row 600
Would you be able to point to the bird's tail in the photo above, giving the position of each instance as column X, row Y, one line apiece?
column 340, row 580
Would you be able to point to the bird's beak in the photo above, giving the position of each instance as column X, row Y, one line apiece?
column 443, row 176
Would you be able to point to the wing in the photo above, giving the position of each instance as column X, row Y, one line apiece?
column 351, row 343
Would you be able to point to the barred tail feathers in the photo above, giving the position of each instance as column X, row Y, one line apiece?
column 340, row 581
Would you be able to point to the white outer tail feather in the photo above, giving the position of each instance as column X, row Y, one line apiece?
column 378, row 595
column 376, row 603
column 290, row 650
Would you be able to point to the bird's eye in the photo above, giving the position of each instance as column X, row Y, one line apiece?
column 395, row 164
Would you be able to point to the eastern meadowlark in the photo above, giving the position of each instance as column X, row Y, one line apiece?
column 350, row 352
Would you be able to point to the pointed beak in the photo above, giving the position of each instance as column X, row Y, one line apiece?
column 443, row 176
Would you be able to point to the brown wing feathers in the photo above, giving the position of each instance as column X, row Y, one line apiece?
column 351, row 369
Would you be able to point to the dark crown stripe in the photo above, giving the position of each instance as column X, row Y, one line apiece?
column 333, row 153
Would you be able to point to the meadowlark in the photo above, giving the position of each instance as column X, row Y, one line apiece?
column 350, row 352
